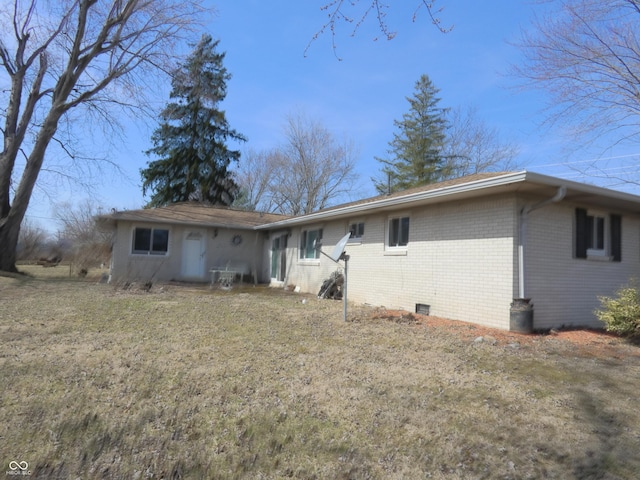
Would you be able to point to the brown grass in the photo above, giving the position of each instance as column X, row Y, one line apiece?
column 187, row 382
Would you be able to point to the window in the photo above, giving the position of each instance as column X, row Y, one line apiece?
column 598, row 234
column 150, row 241
column 308, row 241
column 398, row 232
column 356, row 230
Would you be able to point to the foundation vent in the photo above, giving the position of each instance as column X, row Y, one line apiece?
column 422, row 308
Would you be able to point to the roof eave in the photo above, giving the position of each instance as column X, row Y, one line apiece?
column 628, row 201
column 396, row 202
column 583, row 188
column 127, row 217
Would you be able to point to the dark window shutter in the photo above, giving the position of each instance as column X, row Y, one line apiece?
column 582, row 233
column 615, row 222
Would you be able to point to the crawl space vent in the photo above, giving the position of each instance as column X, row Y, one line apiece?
column 422, row 309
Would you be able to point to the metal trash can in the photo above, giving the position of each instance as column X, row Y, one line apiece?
column 521, row 315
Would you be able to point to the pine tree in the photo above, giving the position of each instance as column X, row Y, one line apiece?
column 190, row 142
column 416, row 150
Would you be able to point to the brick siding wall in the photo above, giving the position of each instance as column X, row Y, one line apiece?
column 564, row 289
column 460, row 260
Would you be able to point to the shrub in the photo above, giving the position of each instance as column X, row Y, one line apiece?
column 621, row 314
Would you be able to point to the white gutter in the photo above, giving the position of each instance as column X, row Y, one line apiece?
column 562, row 191
column 453, row 190
column 401, row 200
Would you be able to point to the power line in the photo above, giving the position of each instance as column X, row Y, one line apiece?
column 41, row 218
column 563, row 164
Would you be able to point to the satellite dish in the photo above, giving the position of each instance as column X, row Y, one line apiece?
column 338, row 254
column 338, row 250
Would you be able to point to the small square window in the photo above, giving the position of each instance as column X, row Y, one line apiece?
column 598, row 235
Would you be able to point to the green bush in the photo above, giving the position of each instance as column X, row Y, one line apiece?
column 621, row 314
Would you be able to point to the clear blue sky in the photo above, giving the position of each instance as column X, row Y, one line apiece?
column 361, row 94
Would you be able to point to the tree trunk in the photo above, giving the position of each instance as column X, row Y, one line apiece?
column 9, row 232
column 11, row 220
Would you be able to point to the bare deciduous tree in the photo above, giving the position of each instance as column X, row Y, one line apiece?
column 63, row 55
column 308, row 172
column 79, row 224
column 473, row 147
column 586, row 55
column 87, row 243
column 254, row 174
column 31, row 241
column 312, row 169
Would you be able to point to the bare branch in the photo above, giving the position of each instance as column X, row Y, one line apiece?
column 337, row 13
column 472, row 147
column 311, row 170
column 586, row 56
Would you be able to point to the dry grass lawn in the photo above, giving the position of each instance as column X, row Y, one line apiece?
column 187, row 382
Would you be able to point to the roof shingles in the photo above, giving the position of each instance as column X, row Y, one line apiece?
column 191, row 213
column 423, row 188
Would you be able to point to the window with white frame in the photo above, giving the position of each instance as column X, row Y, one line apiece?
column 356, row 229
column 308, row 242
column 596, row 242
column 150, row 241
column 398, row 232
column 598, row 235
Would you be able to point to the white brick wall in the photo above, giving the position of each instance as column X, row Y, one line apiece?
column 462, row 260
column 564, row 289
column 459, row 261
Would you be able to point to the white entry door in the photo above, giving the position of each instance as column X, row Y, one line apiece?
column 279, row 258
column 193, row 255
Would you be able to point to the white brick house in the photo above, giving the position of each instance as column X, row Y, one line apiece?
column 466, row 247
column 185, row 241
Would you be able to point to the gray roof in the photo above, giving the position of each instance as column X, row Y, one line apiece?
column 528, row 183
column 192, row 213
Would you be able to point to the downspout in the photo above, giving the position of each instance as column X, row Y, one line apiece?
column 560, row 194
column 255, row 258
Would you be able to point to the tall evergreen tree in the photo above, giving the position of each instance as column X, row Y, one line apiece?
column 417, row 149
column 190, row 142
